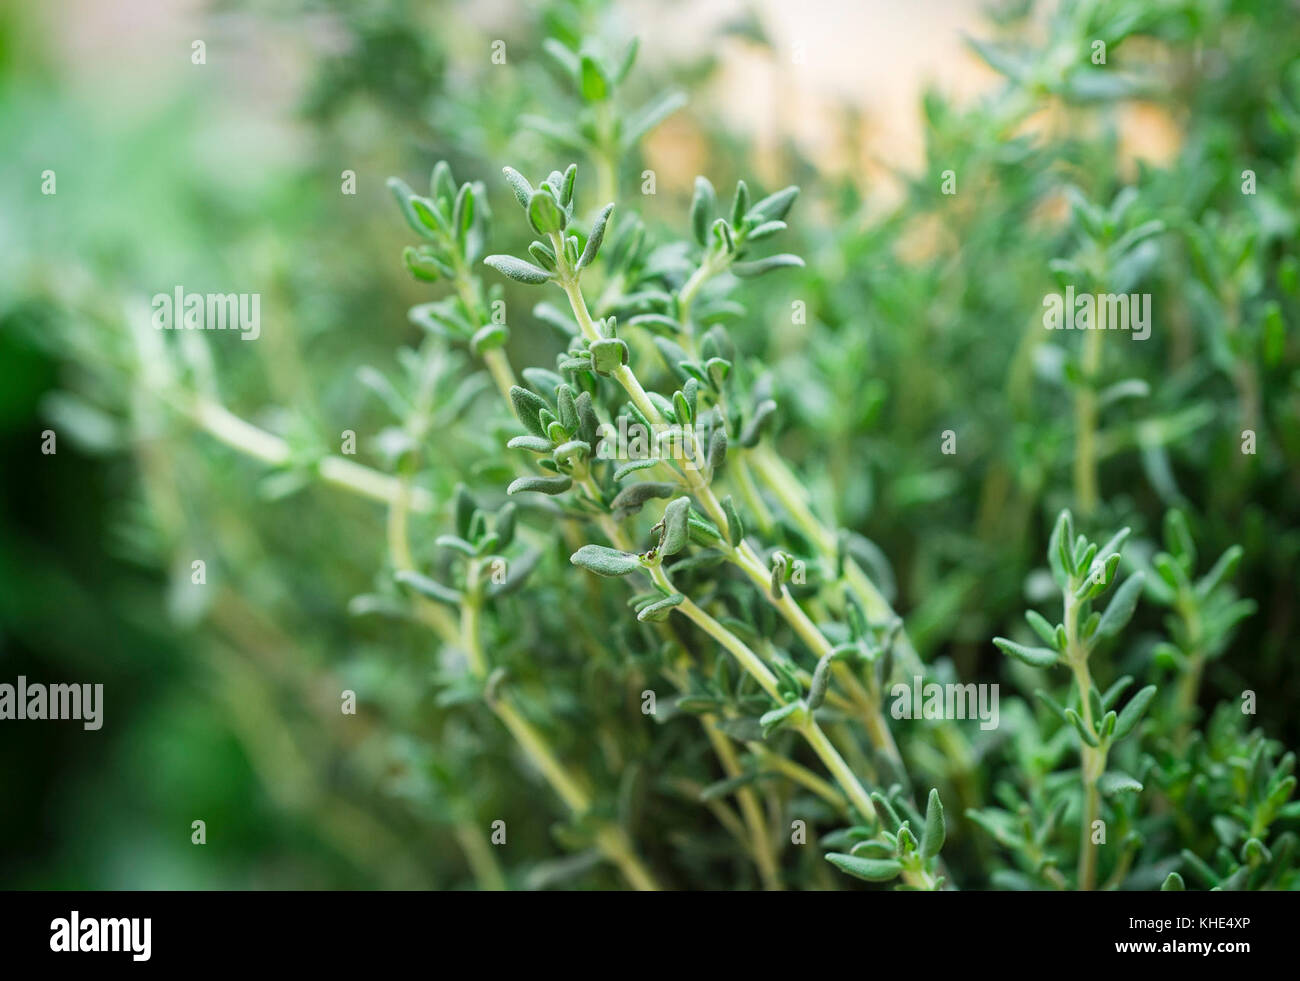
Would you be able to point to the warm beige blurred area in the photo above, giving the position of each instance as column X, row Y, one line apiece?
column 827, row 62
column 874, row 57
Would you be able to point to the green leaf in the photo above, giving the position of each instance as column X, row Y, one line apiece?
column 528, row 408
column 540, row 485
column 463, row 213
column 535, row 444
column 778, row 575
column 429, row 587
column 1051, row 703
column 782, row 260
column 676, row 530
column 517, row 269
column 779, row 717
column 634, row 496
column 765, row 230
column 661, row 609
column 608, row 354
column 735, row 529
column 605, row 561
column 544, row 254
column 871, row 849
column 1178, row 539
column 1173, row 883
column 517, row 572
column 774, row 207
column 1116, row 782
column 593, row 83
column 545, row 214
column 936, row 831
column 704, row 204
column 505, row 524
column 421, row 266
column 1222, row 570
column 424, row 222
column 627, row 469
column 566, row 453
column 821, row 680
column 1132, row 712
column 871, row 869
column 489, row 337
column 456, row 544
column 596, row 237
column 757, row 421
column 1041, row 627
column 442, row 186
column 523, row 191
column 723, row 233
column 1058, row 545
column 649, row 116
column 564, row 59
column 1086, row 734
column 717, row 448
column 1038, row 657
column 588, row 422
column 1121, row 607
column 739, row 204
column 1114, row 691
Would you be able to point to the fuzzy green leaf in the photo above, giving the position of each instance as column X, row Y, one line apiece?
column 1038, row 657
column 633, row 497
column 704, row 203
column 596, row 237
column 774, row 207
column 871, row 869
column 429, row 587
column 523, row 191
column 528, row 408
column 1121, row 607
column 518, row 270
column 1081, row 727
column 779, row 717
column 936, row 830
column 661, row 609
column 676, row 530
column 540, row 485
column 605, row 561
column 783, row 260
column 1132, row 712
column 544, row 213
column 1115, row 782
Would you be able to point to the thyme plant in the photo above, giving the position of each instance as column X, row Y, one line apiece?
column 655, row 510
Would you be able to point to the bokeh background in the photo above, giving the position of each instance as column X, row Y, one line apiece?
column 222, row 704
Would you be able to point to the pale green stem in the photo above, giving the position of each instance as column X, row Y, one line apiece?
column 1085, row 426
column 257, row 443
column 1092, row 758
column 799, row 774
column 752, row 663
column 482, row 860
